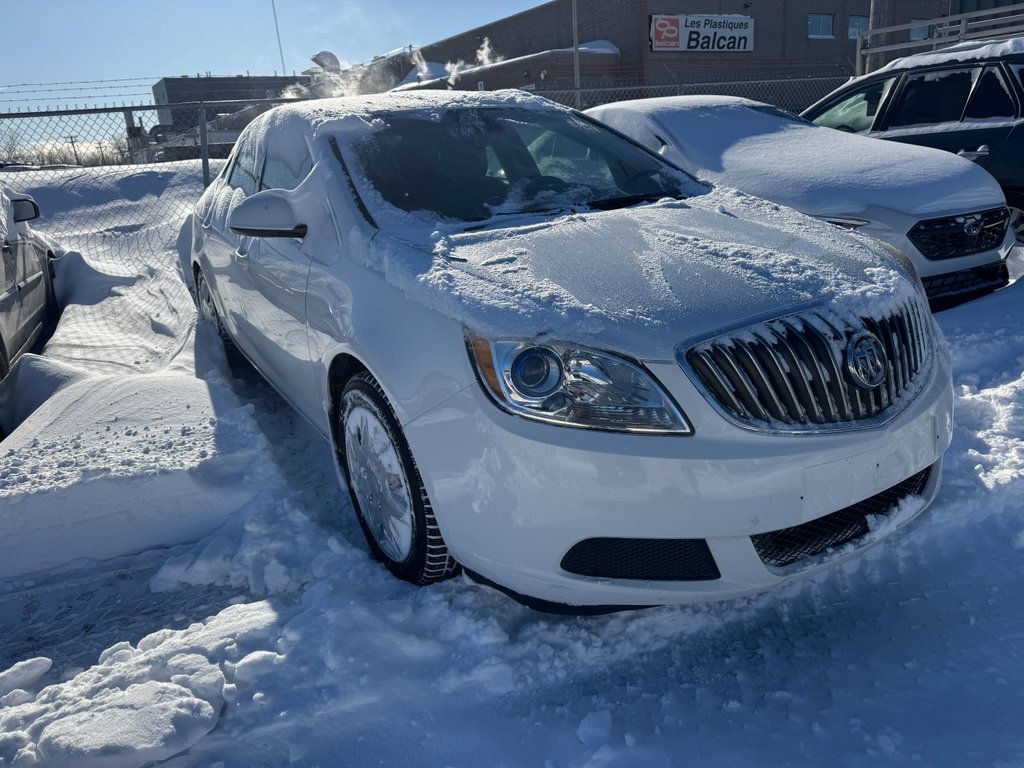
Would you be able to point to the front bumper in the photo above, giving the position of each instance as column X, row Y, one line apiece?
column 513, row 497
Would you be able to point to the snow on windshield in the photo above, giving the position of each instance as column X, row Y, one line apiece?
column 471, row 164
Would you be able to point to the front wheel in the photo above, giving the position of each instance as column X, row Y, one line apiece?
column 387, row 492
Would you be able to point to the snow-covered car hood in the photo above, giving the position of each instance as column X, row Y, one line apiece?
column 816, row 170
column 644, row 279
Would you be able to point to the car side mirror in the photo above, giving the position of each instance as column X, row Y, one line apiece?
column 269, row 213
column 24, row 209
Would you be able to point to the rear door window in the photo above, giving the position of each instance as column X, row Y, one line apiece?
column 855, row 111
column 991, row 97
column 932, row 97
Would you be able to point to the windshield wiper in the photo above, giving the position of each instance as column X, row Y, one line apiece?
column 609, row 203
column 491, row 221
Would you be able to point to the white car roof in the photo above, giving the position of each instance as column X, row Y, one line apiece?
column 757, row 148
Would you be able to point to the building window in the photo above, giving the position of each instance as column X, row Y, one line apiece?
column 858, row 26
column 821, row 25
column 921, row 31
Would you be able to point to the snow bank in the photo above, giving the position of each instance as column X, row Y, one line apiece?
column 138, row 704
column 116, row 445
column 113, row 465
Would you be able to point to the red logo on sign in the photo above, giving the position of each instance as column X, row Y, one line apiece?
column 665, row 32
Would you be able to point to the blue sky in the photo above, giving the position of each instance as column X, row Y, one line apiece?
column 72, row 40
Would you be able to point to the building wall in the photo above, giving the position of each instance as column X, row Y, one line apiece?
column 181, row 90
column 781, row 43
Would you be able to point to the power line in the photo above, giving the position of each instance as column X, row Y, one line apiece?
column 81, row 82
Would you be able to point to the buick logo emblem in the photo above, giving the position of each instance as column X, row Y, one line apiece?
column 972, row 227
column 865, row 360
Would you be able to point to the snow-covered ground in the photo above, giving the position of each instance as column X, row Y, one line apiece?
column 182, row 579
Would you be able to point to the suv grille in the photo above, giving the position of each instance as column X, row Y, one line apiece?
column 648, row 559
column 786, row 546
column 967, row 281
column 953, row 236
column 792, row 374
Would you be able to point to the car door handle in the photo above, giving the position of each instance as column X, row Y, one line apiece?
column 968, row 154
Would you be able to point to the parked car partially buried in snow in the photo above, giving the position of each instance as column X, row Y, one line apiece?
column 946, row 214
column 26, row 288
column 590, row 383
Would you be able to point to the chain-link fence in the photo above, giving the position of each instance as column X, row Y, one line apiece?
column 116, row 180
column 119, row 179
column 794, row 94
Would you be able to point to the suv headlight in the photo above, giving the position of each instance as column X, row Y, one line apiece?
column 575, row 387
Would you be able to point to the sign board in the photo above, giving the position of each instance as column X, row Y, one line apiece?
column 701, row 33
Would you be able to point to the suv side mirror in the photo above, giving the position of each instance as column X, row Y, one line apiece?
column 269, row 213
column 24, row 209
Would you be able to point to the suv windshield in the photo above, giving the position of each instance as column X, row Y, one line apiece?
column 474, row 163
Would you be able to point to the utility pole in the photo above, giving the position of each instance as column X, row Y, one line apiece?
column 576, row 56
column 74, row 149
column 879, row 18
column 277, row 30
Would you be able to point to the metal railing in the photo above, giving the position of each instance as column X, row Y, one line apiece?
column 992, row 24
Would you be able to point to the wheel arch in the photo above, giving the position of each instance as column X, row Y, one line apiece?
column 343, row 367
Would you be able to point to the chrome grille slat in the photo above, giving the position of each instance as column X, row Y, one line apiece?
column 791, row 374
column 723, row 388
column 762, row 379
column 781, row 366
column 827, row 403
column 748, row 393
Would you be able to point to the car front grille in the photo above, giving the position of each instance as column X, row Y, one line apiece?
column 646, row 559
column 954, row 236
column 788, row 545
column 792, row 374
column 967, row 281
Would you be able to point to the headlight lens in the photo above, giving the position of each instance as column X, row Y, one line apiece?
column 574, row 386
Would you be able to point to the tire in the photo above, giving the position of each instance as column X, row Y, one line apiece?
column 1015, row 202
column 374, row 456
column 208, row 309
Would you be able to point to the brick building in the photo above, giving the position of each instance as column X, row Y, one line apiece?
column 740, row 38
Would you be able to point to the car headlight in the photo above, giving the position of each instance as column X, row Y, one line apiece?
column 575, row 387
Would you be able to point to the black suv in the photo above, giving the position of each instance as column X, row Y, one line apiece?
column 966, row 99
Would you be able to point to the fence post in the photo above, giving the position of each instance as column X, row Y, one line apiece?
column 204, row 147
column 861, row 38
column 129, row 126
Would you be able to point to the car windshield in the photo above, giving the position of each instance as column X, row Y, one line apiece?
column 472, row 164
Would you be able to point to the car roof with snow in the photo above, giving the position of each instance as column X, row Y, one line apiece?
column 327, row 115
column 974, row 50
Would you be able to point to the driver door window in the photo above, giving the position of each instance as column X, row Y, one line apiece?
column 855, row 112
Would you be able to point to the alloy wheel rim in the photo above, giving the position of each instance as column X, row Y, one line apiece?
column 379, row 482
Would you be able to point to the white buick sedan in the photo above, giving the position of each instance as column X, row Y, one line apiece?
column 585, row 377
